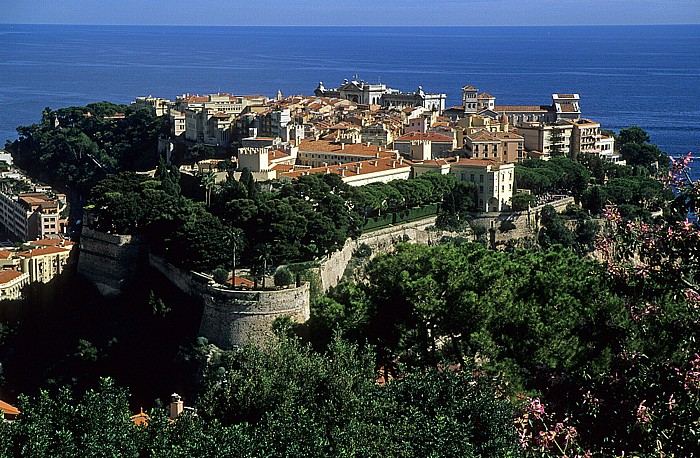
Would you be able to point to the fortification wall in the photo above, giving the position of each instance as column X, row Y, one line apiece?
column 109, row 261
column 381, row 241
column 526, row 222
column 233, row 318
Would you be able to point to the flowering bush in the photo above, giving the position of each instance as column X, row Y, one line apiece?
column 540, row 434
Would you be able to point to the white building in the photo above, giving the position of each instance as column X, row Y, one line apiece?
column 494, row 180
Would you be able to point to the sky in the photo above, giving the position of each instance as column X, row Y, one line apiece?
column 346, row 13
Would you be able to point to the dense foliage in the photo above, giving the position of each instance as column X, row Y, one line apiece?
column 559, row 175
column 280, row 400
column 78, row 146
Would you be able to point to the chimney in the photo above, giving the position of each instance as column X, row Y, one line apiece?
column 457, row 158
column 376, row 155
column 393, row 164
column 342, row 147
column 176, row 406
column 342, row 172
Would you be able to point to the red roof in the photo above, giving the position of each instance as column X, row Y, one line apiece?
column 43, row 251
column 7, row 409
column 140, row 418
column 240, row 282
column 8, row 275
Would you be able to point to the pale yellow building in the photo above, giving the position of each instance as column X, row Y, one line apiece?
column 12, row 283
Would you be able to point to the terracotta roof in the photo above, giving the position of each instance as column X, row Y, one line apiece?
column 482, row 136
column 432, row 136
column 519, row 108
column 7, row 409
column 239, row 281
column 8, row 275
column 195, row 99
column 276, row 155
column 324, row 146
column 469, row 87
column 485, row 95
column 140, row 418
column 351, row 169
column 507, row 136
column 43, row 251
column 5, row 254
column 283, row 167
column 479, row 162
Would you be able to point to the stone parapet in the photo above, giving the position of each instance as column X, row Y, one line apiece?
column 232, row 317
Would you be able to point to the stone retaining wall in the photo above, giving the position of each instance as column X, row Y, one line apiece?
column 109, row 261
column 233, row 318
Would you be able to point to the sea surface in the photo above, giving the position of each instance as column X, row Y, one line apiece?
column 626, row 75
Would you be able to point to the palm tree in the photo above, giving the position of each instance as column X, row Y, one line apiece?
column 208, row 181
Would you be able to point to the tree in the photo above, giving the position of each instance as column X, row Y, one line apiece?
column 632, row 134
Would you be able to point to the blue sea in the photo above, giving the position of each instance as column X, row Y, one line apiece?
column 626, row 75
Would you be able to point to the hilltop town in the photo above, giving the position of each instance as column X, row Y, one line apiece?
column 298, row 258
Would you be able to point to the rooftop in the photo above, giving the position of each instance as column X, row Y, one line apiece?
column 8, row 275
column 432, row 136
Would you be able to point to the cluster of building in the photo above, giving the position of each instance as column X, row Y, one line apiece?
column 372, row 133
column 31, row 215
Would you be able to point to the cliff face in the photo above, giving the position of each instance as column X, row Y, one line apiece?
column 110, row 261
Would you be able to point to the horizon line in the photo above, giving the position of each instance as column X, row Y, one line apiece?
column 345, row 25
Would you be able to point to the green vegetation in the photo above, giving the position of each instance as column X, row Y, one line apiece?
column 78, row 146
column 633, row 143
column 559, row 175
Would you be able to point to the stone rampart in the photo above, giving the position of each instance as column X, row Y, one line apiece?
column 380, row 241
column 109, row 261
column 232, row 318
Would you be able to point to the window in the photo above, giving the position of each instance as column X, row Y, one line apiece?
column 481, row 189
column 471, row 178
column 481, row 178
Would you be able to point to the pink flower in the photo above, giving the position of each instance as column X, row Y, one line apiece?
column 643, row 413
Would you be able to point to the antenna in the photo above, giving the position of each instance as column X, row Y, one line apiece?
column 357, row 78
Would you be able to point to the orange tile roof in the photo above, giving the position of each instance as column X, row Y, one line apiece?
column 7, row 409
column 239, row 281
column 485, row 95
column 481, row 136
column 8, row 275
column 5, row 254
column 140, row 418
column 283, row 167
column 507, row 136
column 351, row 169
column 43, row 251
column 432, row 136
column 195, row 99
column 324, row 146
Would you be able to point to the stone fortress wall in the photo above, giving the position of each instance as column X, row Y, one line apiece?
column 232, row 318
column 109, row 261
